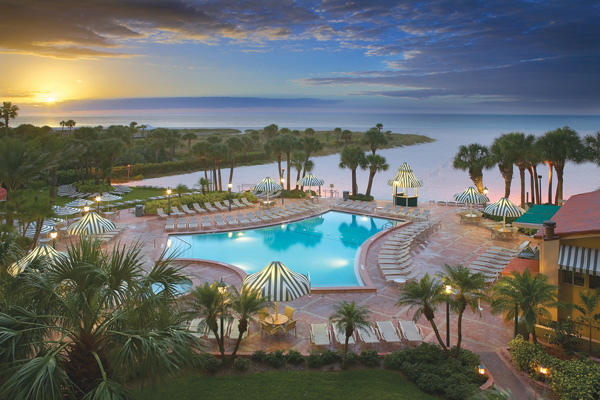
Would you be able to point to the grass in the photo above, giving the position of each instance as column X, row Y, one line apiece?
column 290, row 385
column 136, row 193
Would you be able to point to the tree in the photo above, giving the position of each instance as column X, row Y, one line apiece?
column 158, row 141
column 189, row 136
column 289, row 143
column 468, row 288
column 533, row 295
column 181, row 189
column 235, row 145
column 86, row 324
column 218, row 152
column 245, row 304
column 505, row 153
column 352, row 157
column 275, row 147
column 587, row 307
column 63, row 123
column 374, row 163
column 310, row 145
column 208, row 302
column 297, row 161
column 592, row 146
column 557, row 147
column 338, row 132
column 271, row 131
column 70, row 124
column 347, row 136
column 172, row 139
column 524, row 149
column 347, row 317
column 375, row 139
column 379, row 127
column 200, row 150
column 425, row 295
column 204, row 183
column 7, row 112
column 309, row 132
column 473, row 158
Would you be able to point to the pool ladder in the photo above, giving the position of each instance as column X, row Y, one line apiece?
column 389, row 225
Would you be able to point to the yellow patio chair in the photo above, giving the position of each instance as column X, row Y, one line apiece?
column 289, row 312
column 289, row 326
column 270, row 329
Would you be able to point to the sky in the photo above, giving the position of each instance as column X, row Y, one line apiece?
column 496, row 56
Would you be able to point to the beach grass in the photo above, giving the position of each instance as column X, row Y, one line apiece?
column 290, row 385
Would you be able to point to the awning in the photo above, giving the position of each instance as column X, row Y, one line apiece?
column 534, row 217
column 579, row 259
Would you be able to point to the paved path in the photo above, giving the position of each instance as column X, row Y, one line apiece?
column 504, row 376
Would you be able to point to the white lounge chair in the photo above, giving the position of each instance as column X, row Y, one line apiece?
column 233, row 205
column 319, row 335
column 230, row 220
column 175, row 211
column 246, row 202
column 170, row 225
column 240, row 205
column 209, row 207
column 161, row 213
column 410, row 331
column 198, row 327
column 387, row 332
column 220, row 206
column 219, row 221
column 187, row 210
column 206, row 222
column 198, row 208
column 181, row 224
column 368, row 335
column 234, row 331
column 340, row 337
column 193, row 224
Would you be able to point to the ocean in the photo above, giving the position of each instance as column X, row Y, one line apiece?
column 430, row 162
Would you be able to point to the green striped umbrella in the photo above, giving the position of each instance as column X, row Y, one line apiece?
column 504, row 208
column 311, row 180
column 267, row 185
column 278, row 283
column 43, row 251
column 108, row 198
column 405, row 179
column 91, row 224
column 471, row 196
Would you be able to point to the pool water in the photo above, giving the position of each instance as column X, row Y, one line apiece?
column 323, row 246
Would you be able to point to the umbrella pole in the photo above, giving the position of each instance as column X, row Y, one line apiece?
column 503, row 222
column 276, row 313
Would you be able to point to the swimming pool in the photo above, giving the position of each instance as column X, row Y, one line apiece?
column 323, row 246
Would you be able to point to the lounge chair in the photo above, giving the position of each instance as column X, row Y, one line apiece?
column 193, row 224
column 219, row 221
column 209, row 208
column 234, row 331
column 198, row 208
column 367, row 334
column 170, row 225
column 175, row 211
column 187, row 210
column 240, row 205
column 233, row 206
column 220, row 206
column 181, row 224
column 242, row 220
column 410, row 331
column 246, row 202
column 319, row 335
column 206, row 222
column 387, row 332
column 252, row 218
column 340, row 336
column 230, row 220
column 161, row 213
column 424, row 215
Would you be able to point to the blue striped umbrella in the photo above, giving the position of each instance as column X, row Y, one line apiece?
column 91, row 224
column 267, row 185
column 504, row 208
column 43, row 251
column 278, row 283
column 471, row 196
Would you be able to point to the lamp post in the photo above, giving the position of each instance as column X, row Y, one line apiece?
column 98, row 199
column 229, row 185
column 282, row 190
column 128, row 169
column 481, row 369
column 448, row 292
column 223, row 290
column 53, row 235
column 169, row 201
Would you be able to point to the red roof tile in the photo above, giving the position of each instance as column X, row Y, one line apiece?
column 520, row 265
column 579, row 215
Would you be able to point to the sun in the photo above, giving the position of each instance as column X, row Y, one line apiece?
column 50, row 100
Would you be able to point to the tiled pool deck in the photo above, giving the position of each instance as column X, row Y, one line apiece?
column 454, row 243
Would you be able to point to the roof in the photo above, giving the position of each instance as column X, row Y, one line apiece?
column 520, row 265
column 536, row 215
column 580, row 215
column 2, row 193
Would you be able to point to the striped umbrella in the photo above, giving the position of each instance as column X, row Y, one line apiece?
column 44, row 251
column 267, row 185
column 63, row 211
column 79, row 203
column 504, row 208
column 108, row 198
column 405, row 179
column 47, row 227
column 311, row 180
column 471, row 196
column 91, row 224
column 278, row 283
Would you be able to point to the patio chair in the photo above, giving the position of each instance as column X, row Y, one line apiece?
column 270, row 329
column 387, row 332
column 242, row 220
column 289, row 312
column 175, row 211
column 209, row 208
column 161, row 213
column 425, row 215
column 246, row 202
column 181, row 224
column 238, row 204
column 220, row 206
column 198, row 208
column 230, row 220
column 198, row 327
column 252, row 218
column 367, row 334
column 289, row 326
column 206, row 222
column 193, row 224
column 219, row 221
column 319, row 335
column 340, row 336
column 410, row 332
column 187, row 210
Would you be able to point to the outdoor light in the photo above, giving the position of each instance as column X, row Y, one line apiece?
column 485, row 190
column 128, row 169
column 543, row 369
column 169, row 201
column 86, row 209
column 169, row 243
column 448, row 289
column 53, row 235
column 481, row 369
column 229, row 186
column 98, row 198
column 222, row 286
column 230, row 234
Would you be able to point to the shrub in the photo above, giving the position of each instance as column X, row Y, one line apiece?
column 91, row 187
column 352, row 358
column 361, row 197
column 330, row 357
column 276, row 359
column 242, row 364
column 294, row 357
column 370, row 358
column 393, row 361
column 314, row 359
column 259, row 356
column 565, row 334
column 525, row 355
column 207, row 362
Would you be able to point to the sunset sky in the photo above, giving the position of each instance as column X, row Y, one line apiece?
column 539, row 57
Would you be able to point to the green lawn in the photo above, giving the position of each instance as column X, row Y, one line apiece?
column 136, row 193
column 290, row 385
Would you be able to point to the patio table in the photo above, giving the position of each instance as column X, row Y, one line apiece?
column 281, row 319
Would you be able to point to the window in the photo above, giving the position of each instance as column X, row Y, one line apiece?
column 578, row 279
column 567, row 277
column 594, row 281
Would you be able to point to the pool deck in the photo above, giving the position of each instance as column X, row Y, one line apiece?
column 454, row 243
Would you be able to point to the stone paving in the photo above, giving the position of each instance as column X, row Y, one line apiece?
column 454, row 243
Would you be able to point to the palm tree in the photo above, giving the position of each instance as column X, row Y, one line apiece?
column 379, row 127
column 245, row 304
column 200, row 150
column 589, row 301
column 473, row 158
column 347, row 317
column 235, row 145
column 274, row 147
column 158, row 143
column 8, row 111
column 85, row 325
column 468, row 289
column 557, row 147
column 425, row 295
column 204, row 183
column 297, row 161
column 189, row 136
column 374, row 163
column 181, row 189
column 208, row 302
column 524, row 146
column 271, row 131
column 532, row 295
column 347, row 136
column 310, row 145
column 10, row 252
column 309, row 132
column 505, row 153
column 70, row 124
column 63, row 123
column 352, row 157
column 592, row 145
column 218, row 152
column 289, row 143
column 374, row 138
column 172, row 139
column 338, row 132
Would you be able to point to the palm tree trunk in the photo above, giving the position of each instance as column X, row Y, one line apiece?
column 549, row 182
column 532, row 186
column 461, row 311
column 559, row 182
column 370, row 184
column 231, row 168
column 538, row 188
column 38, row 230
column 288, row 171
column 242, row 327
column 279, row 168
column 220, row 180
column 298, row 177
column 354, row 185
column 437, row 335
column 522, row 177
column 477, row 181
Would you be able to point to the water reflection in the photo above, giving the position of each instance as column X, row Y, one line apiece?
column 354, row 233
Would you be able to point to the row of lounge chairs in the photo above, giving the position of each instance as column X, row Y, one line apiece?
column 491, row 262
column 383, row 331
column 395, row 261
column 199, row 328
column 208, row 207
column 355, row 205
column 413, row 213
